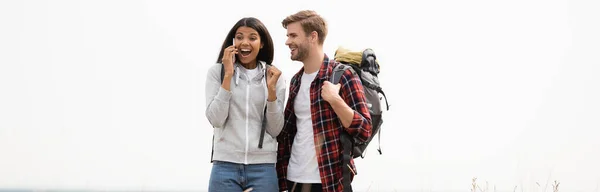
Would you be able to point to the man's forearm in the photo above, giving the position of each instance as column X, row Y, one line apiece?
column 343, row 111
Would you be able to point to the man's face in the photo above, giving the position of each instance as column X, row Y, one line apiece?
column 297, row 42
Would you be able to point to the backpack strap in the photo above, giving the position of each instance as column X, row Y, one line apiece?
column 264, row 121
column 337, row 73
column 386, row 102
column 347, row 146
column 379, row 139
column 345, row 138
column 263, row 129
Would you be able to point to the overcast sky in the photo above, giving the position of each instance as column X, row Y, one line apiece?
column 109, row 95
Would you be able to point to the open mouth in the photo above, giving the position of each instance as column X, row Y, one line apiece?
column 245, row 52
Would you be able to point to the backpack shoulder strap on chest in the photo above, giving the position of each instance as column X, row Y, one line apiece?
column 337, row 73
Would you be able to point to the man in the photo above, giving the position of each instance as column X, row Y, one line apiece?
column 309, row 156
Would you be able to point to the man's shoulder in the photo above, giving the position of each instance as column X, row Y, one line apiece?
column 349, row 71
column 333, row 63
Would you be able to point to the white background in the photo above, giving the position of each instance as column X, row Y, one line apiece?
column 109, row 95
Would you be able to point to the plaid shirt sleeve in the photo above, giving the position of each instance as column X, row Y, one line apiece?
column 353, row 93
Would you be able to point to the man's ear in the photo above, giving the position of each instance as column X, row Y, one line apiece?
column 314, row 36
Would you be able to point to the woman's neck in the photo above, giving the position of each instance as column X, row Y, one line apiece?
column 250, row 65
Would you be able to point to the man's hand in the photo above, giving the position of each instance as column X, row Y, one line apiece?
column 330, row 92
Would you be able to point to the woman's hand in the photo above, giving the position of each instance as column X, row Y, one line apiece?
column 228, row 60
column 272, row 77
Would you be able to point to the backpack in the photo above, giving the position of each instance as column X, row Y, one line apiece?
column 365, row 65
column 264, row 121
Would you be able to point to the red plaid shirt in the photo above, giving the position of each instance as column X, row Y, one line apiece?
column 326, row 126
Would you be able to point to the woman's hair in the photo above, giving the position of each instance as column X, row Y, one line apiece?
column 310, row 21
column 266, row 52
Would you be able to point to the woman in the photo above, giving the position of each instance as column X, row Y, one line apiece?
column 238, row 89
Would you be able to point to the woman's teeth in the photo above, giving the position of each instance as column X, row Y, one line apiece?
column 245, row 52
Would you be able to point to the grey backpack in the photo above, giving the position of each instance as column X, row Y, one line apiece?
column 367, row 70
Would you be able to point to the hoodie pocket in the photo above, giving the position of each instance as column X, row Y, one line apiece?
column 231, row 139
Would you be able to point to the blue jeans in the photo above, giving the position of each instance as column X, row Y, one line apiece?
column 231, row 177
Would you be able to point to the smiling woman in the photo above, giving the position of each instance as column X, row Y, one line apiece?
column 243, row 110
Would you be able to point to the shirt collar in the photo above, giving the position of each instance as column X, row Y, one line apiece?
column 325, row 70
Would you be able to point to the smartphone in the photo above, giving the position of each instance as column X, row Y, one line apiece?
column 233, row 43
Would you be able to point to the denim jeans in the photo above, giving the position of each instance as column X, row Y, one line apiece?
column 231, row 177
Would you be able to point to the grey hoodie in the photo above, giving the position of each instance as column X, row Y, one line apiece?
column 237, row 115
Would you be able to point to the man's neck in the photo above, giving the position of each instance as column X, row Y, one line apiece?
column 314, row 61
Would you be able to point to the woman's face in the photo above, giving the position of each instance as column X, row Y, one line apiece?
column 248, row 43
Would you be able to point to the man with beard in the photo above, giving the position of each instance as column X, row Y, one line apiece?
column 309, row 156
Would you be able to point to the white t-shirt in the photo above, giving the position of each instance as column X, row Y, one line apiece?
column 251, row 73
column 303, row 166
